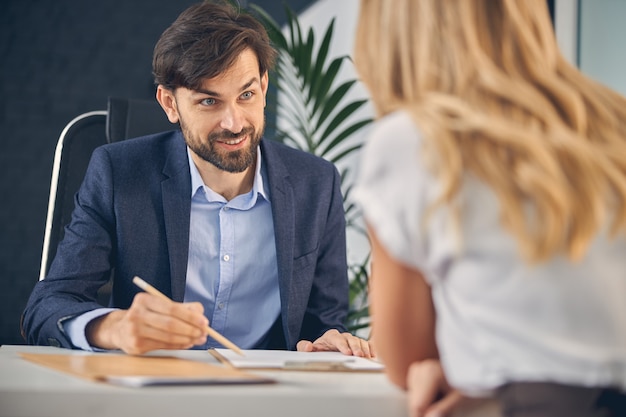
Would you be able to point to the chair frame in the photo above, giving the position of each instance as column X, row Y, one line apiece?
column 54, row 182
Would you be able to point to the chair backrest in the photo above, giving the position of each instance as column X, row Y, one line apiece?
column 77, row 141
column 129, row 118
column 124, row 119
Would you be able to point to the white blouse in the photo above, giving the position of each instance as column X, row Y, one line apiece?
column 498, row 319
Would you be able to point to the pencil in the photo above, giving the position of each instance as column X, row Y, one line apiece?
column 211, row 332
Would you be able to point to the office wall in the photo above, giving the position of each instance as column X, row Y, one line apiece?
column 59, row 59
column 565, row 18
column 601, row 52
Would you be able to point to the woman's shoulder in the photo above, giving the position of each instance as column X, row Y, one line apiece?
column 394, row 136
column 393, row 133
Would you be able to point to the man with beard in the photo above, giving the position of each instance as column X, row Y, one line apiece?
column 243, row 234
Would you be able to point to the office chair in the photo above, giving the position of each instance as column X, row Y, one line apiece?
column 74, row 147
column 130, row 118
column 123, row 119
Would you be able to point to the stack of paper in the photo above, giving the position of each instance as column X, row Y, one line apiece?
column 284, row 359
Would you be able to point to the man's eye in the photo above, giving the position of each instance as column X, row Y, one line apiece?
column 208, row 102
column 247, row 95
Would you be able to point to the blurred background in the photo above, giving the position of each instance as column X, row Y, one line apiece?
column 62, row 58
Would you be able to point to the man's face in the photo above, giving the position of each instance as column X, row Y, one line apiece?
column 223, row 121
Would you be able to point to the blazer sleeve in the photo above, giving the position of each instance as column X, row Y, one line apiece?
column 83, row 261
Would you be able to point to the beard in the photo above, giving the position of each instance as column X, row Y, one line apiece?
column 233, row 161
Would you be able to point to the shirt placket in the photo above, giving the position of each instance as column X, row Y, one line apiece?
column 227, row 268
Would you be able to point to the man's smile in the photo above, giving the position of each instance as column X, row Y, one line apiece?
column 234, row 142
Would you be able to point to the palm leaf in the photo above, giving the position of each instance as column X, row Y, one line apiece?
column 345, row 134
column 342, row 115
column 273, row 30
column 334, row 100
column 320, row 61
column 326, row 81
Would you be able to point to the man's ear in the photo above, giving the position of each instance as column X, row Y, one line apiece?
column 166, row 99
column 264, row 84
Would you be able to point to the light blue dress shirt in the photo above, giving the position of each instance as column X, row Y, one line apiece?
column 231, row 269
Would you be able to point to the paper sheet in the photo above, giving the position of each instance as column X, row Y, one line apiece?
column 285, row 359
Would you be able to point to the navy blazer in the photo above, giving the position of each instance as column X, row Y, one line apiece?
column 132, row 217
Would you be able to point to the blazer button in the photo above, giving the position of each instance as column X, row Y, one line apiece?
column 53, row 342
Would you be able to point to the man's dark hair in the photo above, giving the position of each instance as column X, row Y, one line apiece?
column 204, row 41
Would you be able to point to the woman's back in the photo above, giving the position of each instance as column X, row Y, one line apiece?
column 499, row 318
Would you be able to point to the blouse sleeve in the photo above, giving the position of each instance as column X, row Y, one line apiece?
column 392, row 188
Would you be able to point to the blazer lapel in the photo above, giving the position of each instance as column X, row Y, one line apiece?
column 176, row 191
column 281, row 194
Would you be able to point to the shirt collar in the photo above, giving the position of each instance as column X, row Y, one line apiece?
column 258, row 186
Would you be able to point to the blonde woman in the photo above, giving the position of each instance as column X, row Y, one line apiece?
column 494, row 188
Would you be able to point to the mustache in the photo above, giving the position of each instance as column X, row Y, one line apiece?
column 227, row 134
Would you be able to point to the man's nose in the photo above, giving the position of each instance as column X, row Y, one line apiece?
column 232, row 119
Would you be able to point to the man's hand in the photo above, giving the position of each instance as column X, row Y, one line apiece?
column 150, row 323
column 345, row 343
column 428, row 391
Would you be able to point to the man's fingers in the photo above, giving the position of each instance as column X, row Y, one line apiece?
column 332, row 340
column 151, row 339
column 154, row 323
column 358, row 346
column 304, row 346
column 195, row 306
column 345, row 343
column 169, row 315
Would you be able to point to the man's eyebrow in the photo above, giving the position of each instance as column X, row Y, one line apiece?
column 216, row 94
column 249, row 83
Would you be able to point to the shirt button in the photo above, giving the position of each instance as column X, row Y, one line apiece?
column 226, row 208
column 220, row 306
column 226, row 258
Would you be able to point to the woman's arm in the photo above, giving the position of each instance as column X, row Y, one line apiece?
column 403, row 315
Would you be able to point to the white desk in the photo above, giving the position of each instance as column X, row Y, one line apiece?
column 30, row 390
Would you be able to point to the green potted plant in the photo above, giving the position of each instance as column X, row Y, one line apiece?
column 317, row 117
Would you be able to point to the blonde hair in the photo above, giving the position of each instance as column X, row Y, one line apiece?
column 493, row 96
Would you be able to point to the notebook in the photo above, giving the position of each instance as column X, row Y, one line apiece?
column 138, row 371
